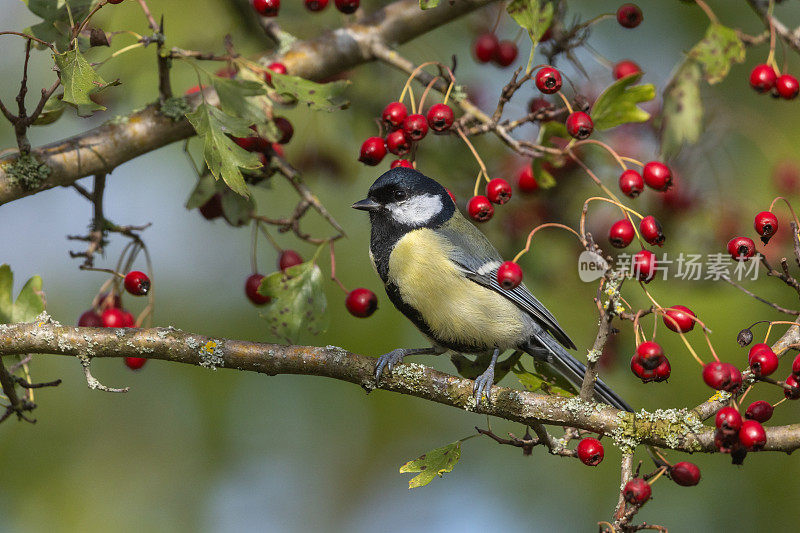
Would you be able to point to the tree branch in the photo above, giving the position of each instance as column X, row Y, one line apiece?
column 671, row 429
column 100, row 150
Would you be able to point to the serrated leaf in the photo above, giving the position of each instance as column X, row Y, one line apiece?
column 682, row 112
column 318, row 96
column 246, row 97
column 298, row 301
column 532, row 15
column 720, row 48
column 428, row 4
column 52, row 111
column 617, row 104
column 432, row 464
column 224, row 158
column 79, row 80
column 29, row 303
column 237, row 209
column 55, row 27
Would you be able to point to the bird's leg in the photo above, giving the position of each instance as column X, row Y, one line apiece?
column 484, row 382
column 388, row 360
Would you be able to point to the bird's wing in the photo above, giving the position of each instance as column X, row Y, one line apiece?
column 479, row 260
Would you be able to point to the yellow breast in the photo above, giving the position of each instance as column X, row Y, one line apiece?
column 455, row 308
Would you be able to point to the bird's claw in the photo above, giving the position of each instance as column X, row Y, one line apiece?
column 387, row 361
column 483, row 385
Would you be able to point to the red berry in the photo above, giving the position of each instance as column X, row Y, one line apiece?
column 115, row 2
column 505, row 53
column 760, row 411
column 212, row 208
column 113, row 317
column 762, row 78
column 361, row 302
column 722, row 376
column 685, row 474
column 137, row 283
column 525, row 180
column 537, row 104
column 651, row 230
column 796, row 366
column 631, row 183
column 267, row 8
column 278, row 68
column 316, row 5
column 509, row 275
column 401, row 163
column 762, row 359
column 637, row 491
column 590, row 451
column 498, row 191
column 251, row 285
column 288, row 258
column 682, row 319
column 752, row 435
column 394, row 114
column 372, row 151
column 440, row 117
column 347, row 7
column 285, row 128
column 766, row 225
column 662, row 371
column 629, row 15
column 650, row 354
column 625, row 68
column 128, row 321
column 729, row 419
column 90, row 319
column 741, row 248
column 787, row 87
column 398, row 142
column 415, row 127
column 548, row 80
column 657, row 176
column 621, row 233
column 579, row 125
column 480, row 209
column 485, row 47
column 135, row 363
column 644, row 265
column 793, row 394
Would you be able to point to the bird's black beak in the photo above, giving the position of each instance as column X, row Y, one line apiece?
column 367, row 204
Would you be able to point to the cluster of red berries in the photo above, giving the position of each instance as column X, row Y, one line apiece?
column 737, row 436
column 487, row 47
column 764, row 79
column 579, row 124
column 404, row 131
column 480, row 208
column 286, row 259
column 649, row 363
column 109, row 313
column 638, row 491
column 270, row 8
column 743, row 248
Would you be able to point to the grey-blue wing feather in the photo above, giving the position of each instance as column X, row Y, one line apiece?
column 472, row 252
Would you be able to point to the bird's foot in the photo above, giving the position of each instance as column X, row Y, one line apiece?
column 388, row 360
column 483, row 385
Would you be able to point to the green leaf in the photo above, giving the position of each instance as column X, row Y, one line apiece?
column 543, row 176
column 206, row 187
column 79, row 80
column 545, row 379
column 318, row 96
column 720, row 48
column 237, row 209
column 56, row 27
column 298, row 301
column 434, row 463
column 682, row 112
column 52, row 111
column 224, row 157
column 29, row 303
column 532, row 15
column 428, row 4
column 617, row 104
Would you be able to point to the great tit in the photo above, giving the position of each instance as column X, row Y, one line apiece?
column 441, row 273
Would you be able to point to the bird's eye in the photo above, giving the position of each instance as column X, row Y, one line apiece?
column 399, row 195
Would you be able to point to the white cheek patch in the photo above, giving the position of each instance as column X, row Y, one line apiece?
column 488, row 267
column 417, row 210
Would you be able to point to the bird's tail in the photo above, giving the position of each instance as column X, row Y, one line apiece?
column 546, row 348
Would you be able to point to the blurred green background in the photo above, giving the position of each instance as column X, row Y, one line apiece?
column 195, row 450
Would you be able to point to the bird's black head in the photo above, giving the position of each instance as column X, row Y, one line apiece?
column 407, row 198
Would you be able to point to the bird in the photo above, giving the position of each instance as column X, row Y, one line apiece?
column 440, row 271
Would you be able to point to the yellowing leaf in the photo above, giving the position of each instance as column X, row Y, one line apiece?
column 428, row 4
column 224, row 158
column 617, row 104
column 717, row 51
column 434, row 463
column 298, row 301
column 79, row 80
column 682, row 113
column 318, row 96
